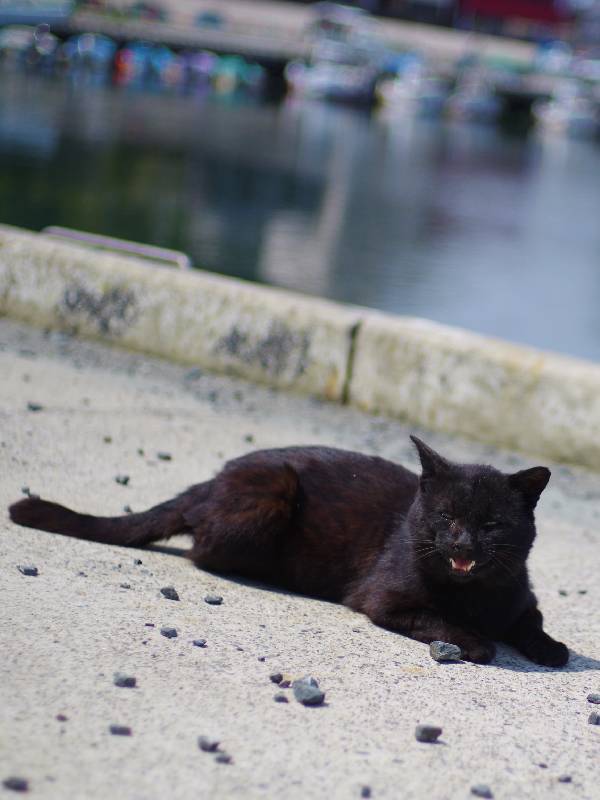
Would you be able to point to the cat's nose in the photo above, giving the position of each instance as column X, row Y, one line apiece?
column 461, row 539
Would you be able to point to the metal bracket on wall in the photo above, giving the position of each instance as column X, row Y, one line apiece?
column 96, row 241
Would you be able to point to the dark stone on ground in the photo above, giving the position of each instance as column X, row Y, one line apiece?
column 307, row 692
column 137, row 561
column 563, row 592
column 208, row 745
column 199, row 642
column 169, row 632
column 249, row 438
column 122, row 479
column 481, row 790
column 61, row 718
column 164, row 456
column 213, row 599
column 34, row 406
column 125, row 585
column 124, row 681
column 107, row 439
column 149, row 625
column 276, row 677
column 427, row 733
column 444, row 651
column 365, row 791
column 16, row 784
column 169, row 592
column 28, row 569
column 564, row 779
column 262, row 658
column 280, row 698
column 594, row 718
column 120, row 730
column 127, row 509
column 223, row 758
column 594, row 698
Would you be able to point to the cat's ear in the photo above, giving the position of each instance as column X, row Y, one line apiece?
column 432, row 463
column 530, row 483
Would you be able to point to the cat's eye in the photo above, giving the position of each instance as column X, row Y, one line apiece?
column 447, row 517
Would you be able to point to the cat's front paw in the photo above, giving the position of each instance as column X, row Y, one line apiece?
column 547, row 652
column 479, row 651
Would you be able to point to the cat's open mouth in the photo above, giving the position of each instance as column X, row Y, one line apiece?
column 462, row 565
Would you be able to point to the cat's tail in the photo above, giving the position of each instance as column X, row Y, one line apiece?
column 132, row 530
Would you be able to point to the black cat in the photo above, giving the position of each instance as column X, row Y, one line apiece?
column 440, row 557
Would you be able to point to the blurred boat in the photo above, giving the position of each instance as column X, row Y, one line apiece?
column 345, row 59
column 412, row 89
column 573, row 111
column 474, row 98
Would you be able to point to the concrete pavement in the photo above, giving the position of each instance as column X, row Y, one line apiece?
column 106, row 412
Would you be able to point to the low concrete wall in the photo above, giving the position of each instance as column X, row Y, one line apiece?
column 439, row 377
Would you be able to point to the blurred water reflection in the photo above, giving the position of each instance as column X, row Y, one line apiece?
column 460, row 224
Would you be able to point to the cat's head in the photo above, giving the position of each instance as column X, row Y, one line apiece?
column 471, row 521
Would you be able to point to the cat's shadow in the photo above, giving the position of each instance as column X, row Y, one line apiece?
column 506, row 657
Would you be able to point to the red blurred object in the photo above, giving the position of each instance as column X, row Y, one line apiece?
column 540, row 10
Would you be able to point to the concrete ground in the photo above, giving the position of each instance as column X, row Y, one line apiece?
column 511, row 725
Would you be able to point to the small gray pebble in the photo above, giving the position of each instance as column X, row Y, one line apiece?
column 124, row 681
column 564, row 779
column 61, row 718
column 16, row 784
column 137, row 561
column 444, row 651
column 594, row 698
column 125, row 585
column 306, row 691
column 34, row 406
column 262, row 658
column 194, row 374
column 427, row 733
column 280, row 698
column 169, row 632
column 169, row 592
column 107, row 439
column 223, row 758
column 28, row 569
column 164, row 456
column 594, row 718
column 563, row 592
column 120, row 730
column 249, row 438
column 365, row 791
column 481, row 790
column 149, row 625
column 276, row 677
column 208, row 745
column 127, row 509
column 213, row 599
column 199, row 642
column 122, row 479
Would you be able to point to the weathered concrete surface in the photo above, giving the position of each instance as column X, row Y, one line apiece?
column 262, row 334
column 65, row 633
column 445, row 378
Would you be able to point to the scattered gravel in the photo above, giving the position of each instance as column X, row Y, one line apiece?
column 199, row 642
column 34, row 407
column 208, row 745
column 28, row 569
column 276, row 677
column 444, row 651
column 280, row 698
column 594, row 718
column 427, row 733
column 124, row 681
column 16, row 784
column 169, row 592
column 169, row 632
column 307, row 692
column 122, row 479
column 564, row 779
column 213, row 599
column 594, row 698
column 481, row 790
column 223, row 758
column 120, row 730
column 164, row 456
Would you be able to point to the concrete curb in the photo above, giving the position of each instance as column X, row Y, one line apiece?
column 428, row 374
